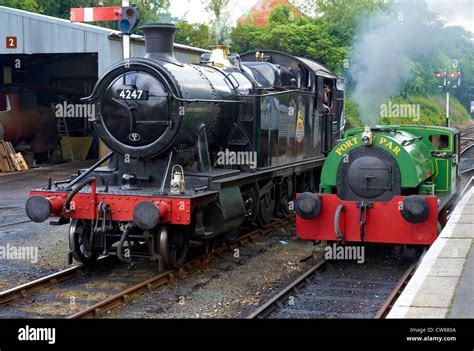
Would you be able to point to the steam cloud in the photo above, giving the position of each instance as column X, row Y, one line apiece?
column 384, row 52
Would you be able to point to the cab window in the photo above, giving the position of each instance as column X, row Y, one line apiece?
column 439, row 141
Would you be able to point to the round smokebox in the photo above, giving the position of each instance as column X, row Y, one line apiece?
column 415, row 209
column 38, row 208
column 146, row 215
column 308, row 206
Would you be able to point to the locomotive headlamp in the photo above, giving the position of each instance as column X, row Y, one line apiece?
column 177, row 185
column 367, row 136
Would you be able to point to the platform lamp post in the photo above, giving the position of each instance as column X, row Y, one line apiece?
column 447, row 86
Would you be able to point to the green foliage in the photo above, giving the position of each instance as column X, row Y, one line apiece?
column 454, row 50
column 27, row 5
column 281, row 14
column 326, row 39
column 301, row 37
column 352, row 114
column 62, row 9
column 345, row 16
column 220, row 27
column 197, row 35
column 307, row 7
column 216, row 7
column 432, row 111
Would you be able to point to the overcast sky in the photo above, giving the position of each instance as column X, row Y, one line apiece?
column 454, row 12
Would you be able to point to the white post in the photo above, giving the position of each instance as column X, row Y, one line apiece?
column 126, row 46
column 126, row 37
column 447, row 109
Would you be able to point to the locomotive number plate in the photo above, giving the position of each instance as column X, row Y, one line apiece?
column 132, row 94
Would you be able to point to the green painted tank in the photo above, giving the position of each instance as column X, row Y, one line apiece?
column 409, row 151
column 389, row 184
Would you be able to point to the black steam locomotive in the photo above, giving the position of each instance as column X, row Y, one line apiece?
column 198, row 151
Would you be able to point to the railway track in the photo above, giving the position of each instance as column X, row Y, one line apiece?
column 467, row 138
column 82, row 292
column 24, row 290
column 466, row 165
column 340, row 289
column 15, row 223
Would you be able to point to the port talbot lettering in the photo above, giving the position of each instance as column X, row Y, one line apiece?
column 348, row 144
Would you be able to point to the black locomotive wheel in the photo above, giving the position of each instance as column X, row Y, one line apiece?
column 266, row 208
column 174, row 247
column 79, row 235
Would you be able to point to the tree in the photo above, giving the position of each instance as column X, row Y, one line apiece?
column 197, row 35
column 216, row 7
column 301, row 37
column 154, row 11
column 27, row 5
column 345, row 16
column 62, row 9
column 307, row 7
column 220, row 26
column 281, row 14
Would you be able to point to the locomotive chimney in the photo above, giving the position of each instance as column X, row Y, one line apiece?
column 159, row 41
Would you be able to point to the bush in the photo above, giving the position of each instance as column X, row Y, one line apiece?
column 432, row 112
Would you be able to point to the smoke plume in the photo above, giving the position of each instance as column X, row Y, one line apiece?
column 384, row 51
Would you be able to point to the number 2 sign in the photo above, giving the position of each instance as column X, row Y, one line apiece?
column 11, row 42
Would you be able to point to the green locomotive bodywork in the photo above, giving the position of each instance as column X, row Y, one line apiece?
column 427, row 157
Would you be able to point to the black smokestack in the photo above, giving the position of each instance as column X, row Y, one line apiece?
column 159, row 41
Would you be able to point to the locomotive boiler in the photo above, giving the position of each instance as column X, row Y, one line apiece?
column 390, row 184
column 197, row 151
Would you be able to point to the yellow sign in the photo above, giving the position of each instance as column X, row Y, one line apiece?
column 355, row 141
column 389, row 145
column 300, row 127
column 347, row 145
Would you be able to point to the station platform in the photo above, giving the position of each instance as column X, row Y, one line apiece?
column 443, row 284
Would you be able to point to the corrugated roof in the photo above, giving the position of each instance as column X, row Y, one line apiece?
column 55, row 20
column 114, row 34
